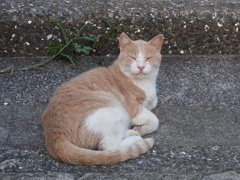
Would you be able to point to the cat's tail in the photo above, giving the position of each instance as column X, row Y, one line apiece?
column 70, row 153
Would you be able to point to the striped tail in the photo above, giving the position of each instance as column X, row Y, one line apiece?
column 72, row 154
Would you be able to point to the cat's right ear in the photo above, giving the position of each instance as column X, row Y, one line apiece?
column 124, row 41
column 157, row 42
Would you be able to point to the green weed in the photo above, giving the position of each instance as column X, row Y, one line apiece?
column 110, row 34
column 69, row 50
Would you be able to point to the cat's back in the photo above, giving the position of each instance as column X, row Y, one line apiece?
column 85, row 92
column 90, row 80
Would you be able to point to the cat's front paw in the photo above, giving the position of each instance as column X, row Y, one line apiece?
column 131, row 132
column 152, row 104
column 141, row 129
column 145, row 122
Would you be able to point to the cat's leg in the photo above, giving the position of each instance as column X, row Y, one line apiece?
column 126, row 142
column 145, row 122
column 153, row 103
column 113, row 124
column 117, row 140
column 131, row 132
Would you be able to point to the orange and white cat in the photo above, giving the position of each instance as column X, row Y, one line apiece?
column 88, row 119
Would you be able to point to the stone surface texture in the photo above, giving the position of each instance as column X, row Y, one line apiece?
column 198, row 108
column 190, row 27
column 198, row 84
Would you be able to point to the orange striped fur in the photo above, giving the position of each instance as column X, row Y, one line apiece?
column 88, row 119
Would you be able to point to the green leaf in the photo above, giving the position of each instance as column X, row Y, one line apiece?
column 77, row 46
column 87, row 48
column 54, row 51
column 63, row 32
column 109, row 25
column 13, row 67
column 99, row 36
column 69, row 58
column 117, row 28
column 87, row 38
column 35, row 65
column 80, row 30
column 78, row 50
column 39, row 64
column 6, row 75
column 84, row 51
column 62, row 49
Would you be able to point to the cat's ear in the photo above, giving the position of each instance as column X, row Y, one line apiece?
column 157, row 41
column 124, row 41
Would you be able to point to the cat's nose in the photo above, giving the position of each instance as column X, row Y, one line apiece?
column 140, row 68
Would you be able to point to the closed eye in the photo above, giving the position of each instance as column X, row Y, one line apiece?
column 148, row 58
column 132, row 57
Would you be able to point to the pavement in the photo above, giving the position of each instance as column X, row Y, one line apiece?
column 198, row 137
column 198, row 85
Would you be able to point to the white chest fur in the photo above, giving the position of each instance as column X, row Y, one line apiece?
column 149, row 87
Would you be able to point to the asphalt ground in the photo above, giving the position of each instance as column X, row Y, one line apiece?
column 198, row 137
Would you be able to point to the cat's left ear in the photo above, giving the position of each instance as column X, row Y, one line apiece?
column 124, row 41
column 157, row 41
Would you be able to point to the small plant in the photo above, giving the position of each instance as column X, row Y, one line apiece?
column 9, row 70
column 112, row 30
column 110, row 34
column 69, row 50
column 4, row 73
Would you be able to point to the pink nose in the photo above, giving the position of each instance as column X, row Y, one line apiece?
column 140, row 68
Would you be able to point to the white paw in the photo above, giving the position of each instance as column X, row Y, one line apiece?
column 145, row 122
column 141, row 129
column 131, row 132
column 152, row 104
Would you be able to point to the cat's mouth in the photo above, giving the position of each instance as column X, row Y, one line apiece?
column 140, row 73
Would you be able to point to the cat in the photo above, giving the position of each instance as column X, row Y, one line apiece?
column 88, row 119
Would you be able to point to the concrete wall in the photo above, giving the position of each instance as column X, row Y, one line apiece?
column 190, row 27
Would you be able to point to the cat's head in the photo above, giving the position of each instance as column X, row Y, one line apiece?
column 140, row 59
